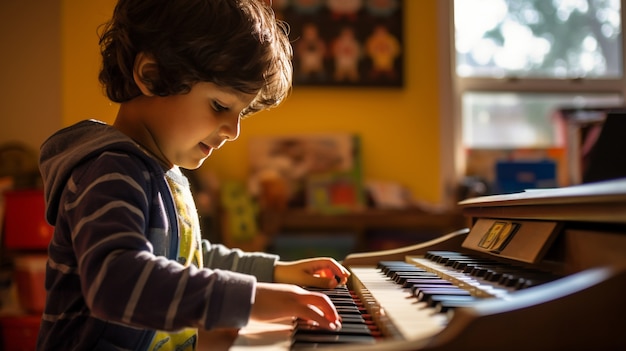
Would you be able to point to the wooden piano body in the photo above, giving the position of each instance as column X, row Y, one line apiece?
column 578, row 233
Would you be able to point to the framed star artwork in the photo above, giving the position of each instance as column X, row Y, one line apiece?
column 345, row 42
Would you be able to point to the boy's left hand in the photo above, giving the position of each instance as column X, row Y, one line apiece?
column 315, row 272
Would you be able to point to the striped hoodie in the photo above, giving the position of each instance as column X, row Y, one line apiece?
column 114, row 276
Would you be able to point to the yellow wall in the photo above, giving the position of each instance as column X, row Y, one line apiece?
column 30, row 80
column 399, row 128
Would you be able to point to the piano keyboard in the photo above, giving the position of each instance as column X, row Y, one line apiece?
column 399, row 300
column 419, row 297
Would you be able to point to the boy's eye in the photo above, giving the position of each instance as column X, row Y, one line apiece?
column 219, row 107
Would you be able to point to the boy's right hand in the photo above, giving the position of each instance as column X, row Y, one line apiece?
column 274, row 301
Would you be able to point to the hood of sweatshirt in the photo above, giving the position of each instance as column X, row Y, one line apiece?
column 70, row 146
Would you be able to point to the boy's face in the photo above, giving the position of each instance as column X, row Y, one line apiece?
column 183, row 130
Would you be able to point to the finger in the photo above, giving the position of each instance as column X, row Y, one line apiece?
column 321, row 312
column 343, row 277
column 326, row 306
column 327, row 278
column 338, row 270
column 340, row 275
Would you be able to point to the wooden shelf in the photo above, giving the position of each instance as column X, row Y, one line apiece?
column 358, row 223
column 367, row 219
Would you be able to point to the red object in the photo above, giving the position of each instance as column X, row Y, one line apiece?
column 25, row 226
column 19, row 333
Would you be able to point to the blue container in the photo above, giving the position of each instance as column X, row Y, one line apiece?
column 517, row 176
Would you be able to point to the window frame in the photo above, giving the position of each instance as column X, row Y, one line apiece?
column 452, row 88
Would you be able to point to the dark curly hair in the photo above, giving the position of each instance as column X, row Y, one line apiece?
column 232, row 43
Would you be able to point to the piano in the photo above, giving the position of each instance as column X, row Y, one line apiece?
column 536, row 270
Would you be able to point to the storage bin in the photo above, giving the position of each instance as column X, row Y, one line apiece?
column 19, row 333
column 25, row 226
column 30, row 275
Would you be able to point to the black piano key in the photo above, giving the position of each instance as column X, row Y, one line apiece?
column 530, row 281
column 442, row 256
column 386, row 268
column 434, row 284
column 440, row 284
column 334, row 339
column 479, row 271
column 398, row 265
column 343, row 301
column 508, row 279
column 403, row 273
column 469, row 267
column 451, row 289
column 491, row 274
column 353, row 318
column 409, row 270
column 348, row 313
column 446, row 306
column 401, row 278
column 339, row 291
column 425, row 280
column 392, row 273
column 346, row 329
column 405, row 268
column 416, row 288
column 452, row 261
column 461, row 264
column 384, row 264
column 423, row 294
column 433, row 300
column 429, row 280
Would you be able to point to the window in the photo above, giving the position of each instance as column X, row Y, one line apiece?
column 538, row 38
column 514, row 64
column 509, row 120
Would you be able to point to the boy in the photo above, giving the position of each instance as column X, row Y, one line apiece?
column 125, row 268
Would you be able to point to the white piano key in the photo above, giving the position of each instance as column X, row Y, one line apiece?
column 402, row 312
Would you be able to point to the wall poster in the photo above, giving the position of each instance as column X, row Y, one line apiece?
column 345, row 42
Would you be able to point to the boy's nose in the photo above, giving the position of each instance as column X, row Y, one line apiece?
column 231, row 129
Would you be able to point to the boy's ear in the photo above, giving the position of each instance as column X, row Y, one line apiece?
column 145, row 71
